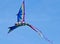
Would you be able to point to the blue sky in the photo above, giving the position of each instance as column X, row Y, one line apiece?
column 43, row 14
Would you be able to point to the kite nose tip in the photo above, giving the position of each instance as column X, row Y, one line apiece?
column 8, row 32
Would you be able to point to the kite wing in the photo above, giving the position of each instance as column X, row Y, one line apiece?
column 39, row 32
column 21, row 13
column 12, row 28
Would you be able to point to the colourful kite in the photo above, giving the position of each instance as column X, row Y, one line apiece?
column 21, row 22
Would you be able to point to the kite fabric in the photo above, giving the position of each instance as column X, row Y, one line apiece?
column 12, row 28
column 21, row 13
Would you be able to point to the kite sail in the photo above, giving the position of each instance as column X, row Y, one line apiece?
column 21, row 13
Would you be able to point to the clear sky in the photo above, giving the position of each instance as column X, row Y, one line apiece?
column 43, row 14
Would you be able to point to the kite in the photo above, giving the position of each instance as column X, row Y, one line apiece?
column 21, row 22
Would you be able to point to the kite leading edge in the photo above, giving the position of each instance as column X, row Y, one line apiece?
column 21, row 22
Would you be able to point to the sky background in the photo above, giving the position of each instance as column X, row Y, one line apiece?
column 43, row 14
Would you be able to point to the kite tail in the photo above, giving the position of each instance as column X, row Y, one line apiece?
column 40, row 33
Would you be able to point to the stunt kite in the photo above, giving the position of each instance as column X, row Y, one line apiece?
column 21, row 22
